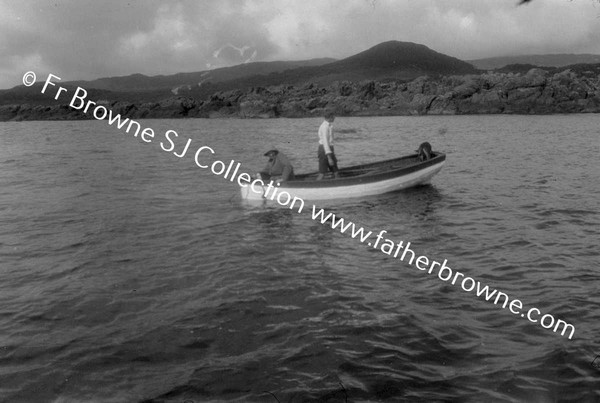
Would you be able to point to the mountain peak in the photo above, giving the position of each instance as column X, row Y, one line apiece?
column 407, row 55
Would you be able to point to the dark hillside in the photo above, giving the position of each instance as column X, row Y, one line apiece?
column 387, row 79
column 395, row 56
column 393, row 60
column 140, row 82
column 551, row 60
column 584, row 70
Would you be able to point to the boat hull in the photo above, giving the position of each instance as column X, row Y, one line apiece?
column 369, row 184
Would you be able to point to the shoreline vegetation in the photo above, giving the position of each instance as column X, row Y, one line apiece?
column 536, row 91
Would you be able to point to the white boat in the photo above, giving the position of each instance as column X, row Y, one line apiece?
column 355, row 181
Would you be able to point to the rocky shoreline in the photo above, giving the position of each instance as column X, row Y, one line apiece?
column 537, row 91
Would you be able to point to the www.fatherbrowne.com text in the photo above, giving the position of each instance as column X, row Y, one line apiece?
column 230, row 171
column 401, row 250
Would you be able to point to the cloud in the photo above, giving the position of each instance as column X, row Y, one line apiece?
column 462, row 28
column 87, row 39
column 82, row 39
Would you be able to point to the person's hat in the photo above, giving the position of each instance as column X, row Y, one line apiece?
column 274, row 152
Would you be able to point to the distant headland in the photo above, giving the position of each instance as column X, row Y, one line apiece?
column 392, row 78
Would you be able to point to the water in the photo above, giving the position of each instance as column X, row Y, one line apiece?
column 128, row 274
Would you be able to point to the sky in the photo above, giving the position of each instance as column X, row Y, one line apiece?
column 88, row 39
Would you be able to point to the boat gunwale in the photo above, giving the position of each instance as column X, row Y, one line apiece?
column 303, row 180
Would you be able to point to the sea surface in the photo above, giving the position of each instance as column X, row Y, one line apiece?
column 128, row 274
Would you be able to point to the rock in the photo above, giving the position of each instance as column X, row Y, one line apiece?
column 367, row 90
column 536, row 77
column 536, row 91
column 315, row 103
column 345, row 89
column 257, row 108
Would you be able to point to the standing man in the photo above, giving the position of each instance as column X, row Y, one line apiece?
column 327, row 159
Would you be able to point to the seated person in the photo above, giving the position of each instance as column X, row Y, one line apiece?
column 424, row 152
column 278, row 168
